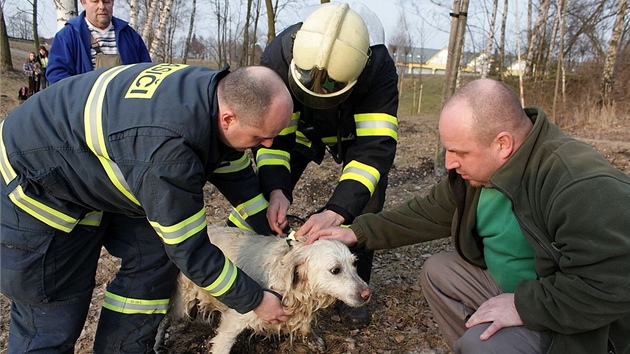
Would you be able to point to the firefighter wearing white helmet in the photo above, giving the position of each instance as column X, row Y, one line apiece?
column 329, row 53
column 344, row 87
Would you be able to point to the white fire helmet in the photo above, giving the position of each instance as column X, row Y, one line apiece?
column 329, row 53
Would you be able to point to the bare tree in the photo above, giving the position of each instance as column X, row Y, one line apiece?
column 537, row 36
column 562, row 9
column 455, row 49
column 191, row 25
column 608, row 75
column 146, row 31
column 271, row 20
column 487, row 60
column 133, row 13
column 157, row 46
column 5, row 49
column 248, row 17
column 502, row 41
column 66, row 9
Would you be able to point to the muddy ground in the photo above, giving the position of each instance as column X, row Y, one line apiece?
column 401, row 321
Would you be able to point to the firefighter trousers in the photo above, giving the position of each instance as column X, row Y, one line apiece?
column 49, row 275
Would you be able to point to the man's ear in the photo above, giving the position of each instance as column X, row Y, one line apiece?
column 505, row 143
column 226, row 119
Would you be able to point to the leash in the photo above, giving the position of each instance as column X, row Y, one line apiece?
column 274, row 294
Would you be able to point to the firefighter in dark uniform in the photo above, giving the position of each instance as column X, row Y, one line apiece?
column 119, row 158
column 346, row 101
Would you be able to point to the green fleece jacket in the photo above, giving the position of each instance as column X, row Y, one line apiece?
column 573, row 208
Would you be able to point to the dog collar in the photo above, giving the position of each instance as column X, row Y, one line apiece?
column 291, row 238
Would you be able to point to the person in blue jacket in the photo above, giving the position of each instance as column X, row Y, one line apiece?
column 76, row 46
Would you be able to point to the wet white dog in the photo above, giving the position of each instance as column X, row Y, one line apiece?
column 310, row 277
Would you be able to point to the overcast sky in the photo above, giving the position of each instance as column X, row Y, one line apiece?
column 429, row 28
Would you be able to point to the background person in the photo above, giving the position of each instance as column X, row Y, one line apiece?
column 72, row 52
column 42, row 57
column 117, row 159
column 540, row 226
column 32, row 70
column 345, row 100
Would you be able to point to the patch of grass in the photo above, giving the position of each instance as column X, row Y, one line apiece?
column 430, row 86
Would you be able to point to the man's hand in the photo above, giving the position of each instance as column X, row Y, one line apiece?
column 271, row 310
column 320, row 221
column 277, row 211
column 500, row 310
column 342, row 234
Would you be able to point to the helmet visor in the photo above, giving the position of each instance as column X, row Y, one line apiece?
column 316, row 89
column 318, row 81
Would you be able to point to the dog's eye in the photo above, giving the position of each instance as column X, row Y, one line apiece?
column 335, row 271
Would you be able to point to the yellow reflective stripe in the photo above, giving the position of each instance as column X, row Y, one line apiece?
column 132, row 306
column 362, row 173
column 376, row 124
column 273, row 157
column 301, row 139
column 92, row 218
column 225, row 280
column 234, row 166
column 42, row 212
column 252, row 206
column 8, row 173
column 183, row 230
column 95, row 138
column 237, row 220
column 293, row 124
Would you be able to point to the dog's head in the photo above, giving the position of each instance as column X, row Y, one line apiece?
column 322, row 273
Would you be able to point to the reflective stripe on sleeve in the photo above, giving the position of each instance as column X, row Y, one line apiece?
column 242, row 211
column 132, row 306
column 7, row 171
column 92, row 218
column 301, row 139
column 376, row 124
column 235, row 166
column 362, row 173
column 94, row 135
column 225, row 280
column 272, row 157
column 181, row 231
column 293, row 124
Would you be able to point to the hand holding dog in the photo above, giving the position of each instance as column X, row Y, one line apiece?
column 320, row 221
column 344, row 235
column 277, row 211
column 271, row 310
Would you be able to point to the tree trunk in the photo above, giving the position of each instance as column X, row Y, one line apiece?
column 133, row 13
column 455, row 47
column 5, row 49
column 191, row 25
column 146, row 31
column 536, row 33
column 552, row 38
column 245, row 54
column 66, row 9
column 562, row 10
column 608, row 75
column 502, row 42
column 252, row 52
column 157, row 46
column 35, row 31
column 486, row 63
column 271, row 21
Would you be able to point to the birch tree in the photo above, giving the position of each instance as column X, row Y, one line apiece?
column 608, row 77
column 66, row 9
column 502, row 41
column 157, row 45
column 488, row 57
column 536, row 37
column 133, row 13
column 146, row 30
